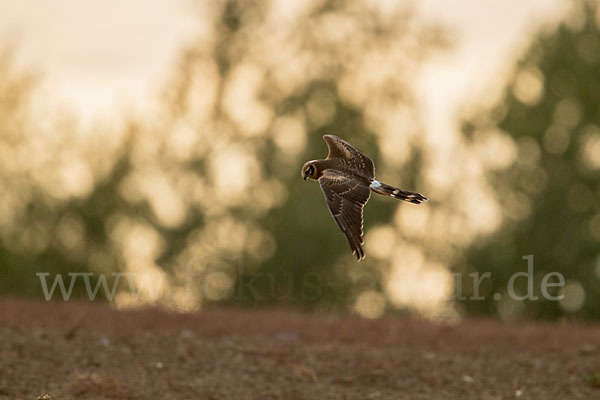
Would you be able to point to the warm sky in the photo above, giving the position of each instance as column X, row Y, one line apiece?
column 96, row 53
column 489, row 36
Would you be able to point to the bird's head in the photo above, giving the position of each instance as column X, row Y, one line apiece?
column 309, row 170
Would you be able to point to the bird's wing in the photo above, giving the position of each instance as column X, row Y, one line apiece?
column 346, row 197
column 339, row 148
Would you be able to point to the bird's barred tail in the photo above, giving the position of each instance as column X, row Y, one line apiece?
column 397, row 193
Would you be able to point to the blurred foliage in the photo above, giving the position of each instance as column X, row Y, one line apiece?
column 200, row 197
column 550, row 195
column 206, row 183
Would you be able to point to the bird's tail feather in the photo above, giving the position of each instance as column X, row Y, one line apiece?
column 397, row 193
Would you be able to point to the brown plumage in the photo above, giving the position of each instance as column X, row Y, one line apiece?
column 347, row 178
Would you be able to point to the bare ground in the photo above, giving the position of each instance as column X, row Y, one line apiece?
column 90, row 351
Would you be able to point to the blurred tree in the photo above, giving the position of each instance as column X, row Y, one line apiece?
column 57, row 189
column 550, row 195
column 199, row 195
column 280, row 78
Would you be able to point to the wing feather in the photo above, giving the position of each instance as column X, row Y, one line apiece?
column 346, row 197
column 354, row 158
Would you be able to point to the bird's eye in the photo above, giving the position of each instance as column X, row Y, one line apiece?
column 310, row 170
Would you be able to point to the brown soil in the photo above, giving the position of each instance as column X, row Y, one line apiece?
column 90, row 351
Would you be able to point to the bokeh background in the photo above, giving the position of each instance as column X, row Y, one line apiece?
column 165, row 139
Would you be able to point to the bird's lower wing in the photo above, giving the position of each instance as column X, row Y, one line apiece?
column 346, row 197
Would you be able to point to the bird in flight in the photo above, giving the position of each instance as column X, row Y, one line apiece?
column 347, row 178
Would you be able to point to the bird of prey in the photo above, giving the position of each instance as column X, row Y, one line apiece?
column 347, row 178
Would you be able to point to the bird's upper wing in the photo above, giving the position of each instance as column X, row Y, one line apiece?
column 346, row 197
column 339, row 148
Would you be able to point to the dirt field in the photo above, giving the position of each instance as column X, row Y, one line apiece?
column 90, row 351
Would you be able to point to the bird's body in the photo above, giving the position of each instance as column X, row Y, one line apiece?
column 347, row 178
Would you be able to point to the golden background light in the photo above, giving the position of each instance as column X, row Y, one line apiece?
column 96, row 58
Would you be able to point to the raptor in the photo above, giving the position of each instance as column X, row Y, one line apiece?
column 347, row 178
